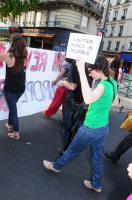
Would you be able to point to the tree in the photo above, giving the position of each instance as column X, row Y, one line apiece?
column 14, row 8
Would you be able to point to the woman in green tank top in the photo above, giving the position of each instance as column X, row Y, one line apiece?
column 95, row 127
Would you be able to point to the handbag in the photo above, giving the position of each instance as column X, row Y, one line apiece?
column 78, row 118
column 127, row 124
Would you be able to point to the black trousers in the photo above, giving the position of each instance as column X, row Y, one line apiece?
column 69, row 110
column 124, row 145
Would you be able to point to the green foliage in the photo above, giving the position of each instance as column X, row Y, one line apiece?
column 14, row 8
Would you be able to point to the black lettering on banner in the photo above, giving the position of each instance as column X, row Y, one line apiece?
column 37, row 89
column 47, row 88
column 25, row 98
column 29, row 87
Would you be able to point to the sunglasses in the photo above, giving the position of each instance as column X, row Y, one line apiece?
column 90, row 69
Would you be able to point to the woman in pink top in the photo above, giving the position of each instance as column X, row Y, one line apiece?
column 120, row 75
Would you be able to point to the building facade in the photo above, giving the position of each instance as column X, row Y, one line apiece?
column 118, row 37
column 51, row 25
column 117, row 40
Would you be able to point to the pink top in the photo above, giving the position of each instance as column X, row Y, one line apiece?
column 129, row 197
column 119, row 76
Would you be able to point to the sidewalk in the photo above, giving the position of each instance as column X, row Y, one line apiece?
column 126, row 102
column 125, row 88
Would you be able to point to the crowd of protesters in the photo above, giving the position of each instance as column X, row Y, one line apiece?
column 85, row 128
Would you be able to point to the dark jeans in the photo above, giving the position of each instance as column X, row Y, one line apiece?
column 123, row 146
column 11, row 100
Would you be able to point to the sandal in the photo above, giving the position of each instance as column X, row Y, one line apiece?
column 11, row 135
column 17, row 137
column 14, row 136
column 121, row 108
column 9, row 128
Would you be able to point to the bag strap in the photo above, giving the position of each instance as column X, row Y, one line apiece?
column 113, row 88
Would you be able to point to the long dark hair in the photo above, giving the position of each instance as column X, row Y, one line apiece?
column 19, row 52
column 115, row 65
column 101, row 64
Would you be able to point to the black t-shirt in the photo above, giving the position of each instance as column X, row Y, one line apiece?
column 66, row 67
column 75, row 78
column 14, row 82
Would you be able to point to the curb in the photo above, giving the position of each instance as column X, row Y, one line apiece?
column 126, row 99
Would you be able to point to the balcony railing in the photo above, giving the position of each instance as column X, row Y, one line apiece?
column 114, row 18
column 92, row 5
column 120, row 33
column 123, row 17
column 116, row 49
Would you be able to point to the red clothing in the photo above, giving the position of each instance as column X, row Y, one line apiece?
column 58, row 100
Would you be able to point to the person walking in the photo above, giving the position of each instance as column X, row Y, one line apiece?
column 73, row 100
column 122, row 147
column 14, row 85
column 61, row 92
column 95, row 126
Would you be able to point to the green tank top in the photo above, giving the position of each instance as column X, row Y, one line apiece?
column 97, row 115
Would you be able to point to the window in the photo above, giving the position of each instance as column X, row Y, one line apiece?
column 124, row 14
column 38, row 19
column 51, row 19
column 116, row 14
column 30, row 18
column 118, row 2
column 130, row 47
column 84, row 21
column 22, row 20
column 112, row 30
column 120, row 31
column 117, row 46
column 109, row 45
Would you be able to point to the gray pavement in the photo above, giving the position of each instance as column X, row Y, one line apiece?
column 22, row 176
column 125, row 88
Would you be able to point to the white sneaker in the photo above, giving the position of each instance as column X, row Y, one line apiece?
column 49, row 166
column 89, row 186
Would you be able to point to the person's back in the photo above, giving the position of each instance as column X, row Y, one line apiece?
column 98, row 111
column 14, row 85
column 14, row 82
